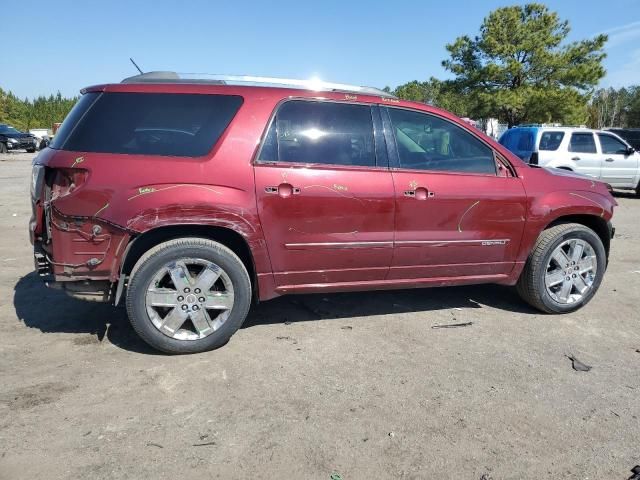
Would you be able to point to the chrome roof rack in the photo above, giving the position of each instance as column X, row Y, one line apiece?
column 252, row 80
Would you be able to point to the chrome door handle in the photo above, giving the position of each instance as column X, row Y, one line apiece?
column 609, row 160
column 575, row 159
column 420, row 193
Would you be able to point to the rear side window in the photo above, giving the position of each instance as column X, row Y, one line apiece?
column 550, row 141
column 611, row 145
column 428, row 142
column 321, row 133
column 582, row 143
column 183, row 125
column 525, row 143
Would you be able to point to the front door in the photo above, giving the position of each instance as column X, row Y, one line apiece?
column 325, row 199
column 584, row 155
column 619, row 164
column 457, row 213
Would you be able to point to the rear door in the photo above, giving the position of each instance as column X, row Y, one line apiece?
column 584, row 155
column 457, row 212
column 619, row 167
column 325, row 194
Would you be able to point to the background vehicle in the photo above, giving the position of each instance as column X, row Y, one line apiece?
column 599, row 154
column 191, row 198
column 13, row 139
column 630, row 135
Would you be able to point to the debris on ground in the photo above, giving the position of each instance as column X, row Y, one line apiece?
column 347, row 327
column 453, row 325
column 203, row 444
column 335, row 476
column 578, row 366
column 151, row 444
column 391, row 434
column 636, row 473
column 486, row 476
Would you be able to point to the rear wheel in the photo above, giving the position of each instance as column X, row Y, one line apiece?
column 3, row 148
column 188, row 295
column 564, row 270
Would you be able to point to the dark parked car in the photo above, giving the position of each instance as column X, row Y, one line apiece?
column 631, row 135
column 191, row 199
column 13, row 139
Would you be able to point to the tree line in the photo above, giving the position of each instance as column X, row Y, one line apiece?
column 41, row 112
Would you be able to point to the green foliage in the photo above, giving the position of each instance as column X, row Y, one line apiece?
column 518, row 69
column 41, row 112
column 435, row 92
column 615, row 108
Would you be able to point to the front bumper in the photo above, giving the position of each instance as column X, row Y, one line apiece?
column 22, row 145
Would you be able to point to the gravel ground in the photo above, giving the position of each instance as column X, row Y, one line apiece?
column 357, row 384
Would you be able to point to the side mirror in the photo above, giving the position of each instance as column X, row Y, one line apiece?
column 630, row 151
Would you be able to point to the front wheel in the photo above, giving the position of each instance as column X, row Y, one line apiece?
column 564, row 270
column 3, row 148
column 188, row 295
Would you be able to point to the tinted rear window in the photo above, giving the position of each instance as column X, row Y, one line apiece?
column 550, row 141
column 582, row 143
column 321, row 133
column 183, row 125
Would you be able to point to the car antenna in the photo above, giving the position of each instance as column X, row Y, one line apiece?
column 136, row 65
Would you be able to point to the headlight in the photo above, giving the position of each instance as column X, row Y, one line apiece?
column 37, row 179
column 12, row 140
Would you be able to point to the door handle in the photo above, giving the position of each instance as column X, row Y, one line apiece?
column 284, row 190
column 575, row 159
column 420, row 193
column 609, row 160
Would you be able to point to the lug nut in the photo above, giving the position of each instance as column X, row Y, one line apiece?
column 568, row 278
column 197, row 290
column 195, row 307
column 574, row 275
column 187, row 290
column 184, row 307
column 180, row 298
column 201, row 299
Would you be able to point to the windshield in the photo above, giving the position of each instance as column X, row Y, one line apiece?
column 8, row 129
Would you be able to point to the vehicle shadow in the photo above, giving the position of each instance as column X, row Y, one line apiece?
column 296, row 308
column 52, row 311
column 625, row 194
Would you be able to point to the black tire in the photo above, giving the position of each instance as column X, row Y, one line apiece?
column 153, row 261
column 531, row 284
column 31, row 150
column 3, row 148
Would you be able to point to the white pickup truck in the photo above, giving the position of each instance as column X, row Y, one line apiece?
column 597, row 153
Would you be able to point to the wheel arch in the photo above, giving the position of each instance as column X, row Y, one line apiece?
column 595, row 222
column 149, row 239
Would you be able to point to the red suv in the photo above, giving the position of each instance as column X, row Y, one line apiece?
column 193, row 198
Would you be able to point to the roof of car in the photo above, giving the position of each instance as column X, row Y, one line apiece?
column 312, row 84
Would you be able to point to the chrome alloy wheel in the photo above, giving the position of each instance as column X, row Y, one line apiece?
column 189, row 299
column 571, row 271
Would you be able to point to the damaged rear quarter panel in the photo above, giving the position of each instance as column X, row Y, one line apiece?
column 127, row 195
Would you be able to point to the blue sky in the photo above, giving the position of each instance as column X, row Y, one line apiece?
column 66, row 45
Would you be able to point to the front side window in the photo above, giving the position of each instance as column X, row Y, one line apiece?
column 147, row 123
column 321, row 133
column 611, row 145
column 550, row 141
column 582, row 143
column 428, row 142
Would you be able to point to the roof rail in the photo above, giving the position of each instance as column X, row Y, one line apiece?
column 252, row 80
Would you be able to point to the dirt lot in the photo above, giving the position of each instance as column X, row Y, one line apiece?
column 358, row 385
